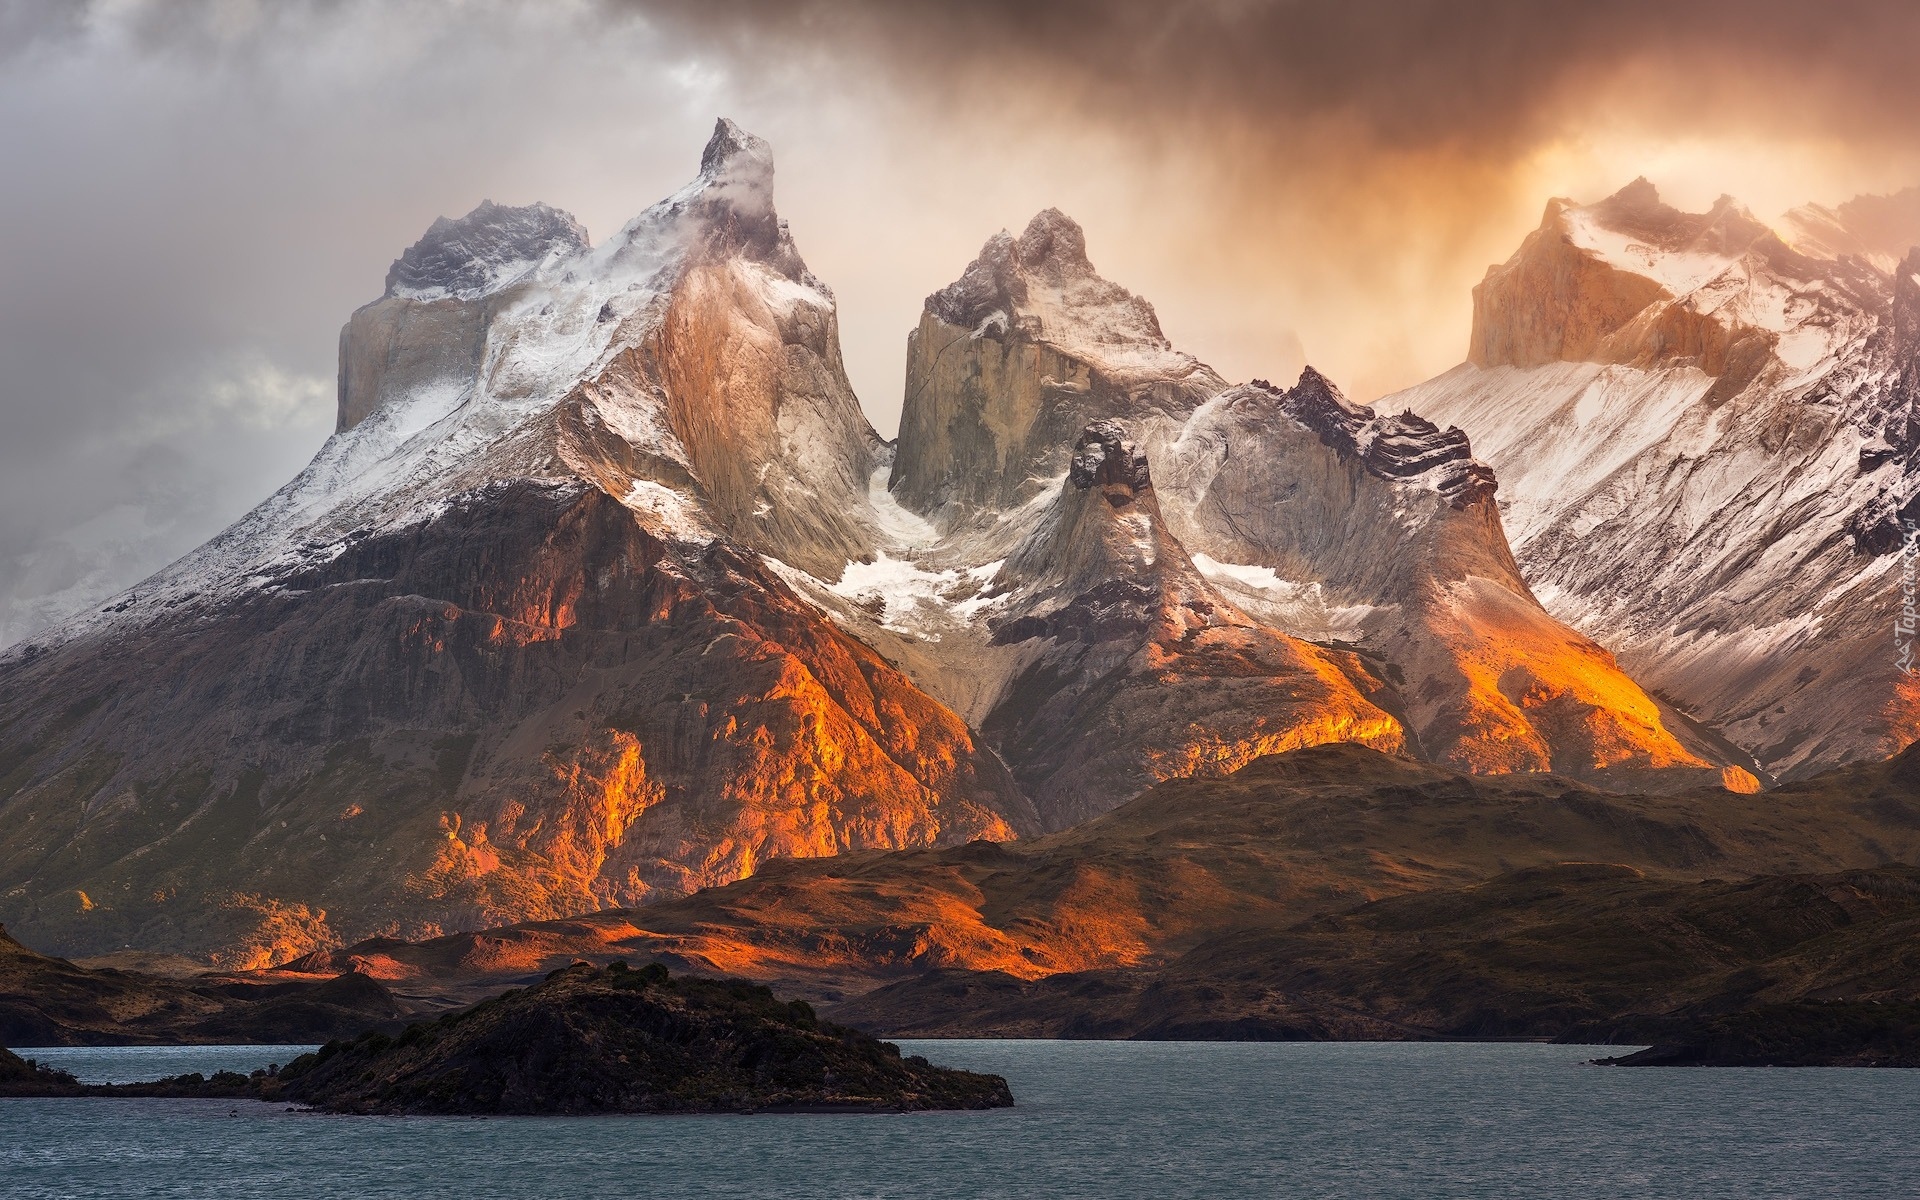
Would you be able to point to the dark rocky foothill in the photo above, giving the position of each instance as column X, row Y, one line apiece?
column 47, row 1001
column 1805, row 1034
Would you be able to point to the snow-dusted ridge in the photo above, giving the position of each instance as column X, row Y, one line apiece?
column 1705, row 435
column 553, row 315
column 486, row 250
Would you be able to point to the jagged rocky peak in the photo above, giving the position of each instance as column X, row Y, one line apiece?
column 1014, row 358
column 1637, row 210
column 1638, row 199
column 1104, row 456
column 1104, row 527
column 1409, row 447
column 1329, row 494
column 1632, row 280
column 1041, row 285
column 1405, row 447
column 1315, row 402
column 572, row 510
column 1705, row 433
column 734, row 197
column 1331, row 521
column 734, row 156
column 482, row 252
column 1129, row 666
column 619, row 343
column 1053, row 249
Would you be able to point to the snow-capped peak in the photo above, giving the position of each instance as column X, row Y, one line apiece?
column 1631, row 279
column 1042, row 285
column 1635, row 231
column 491, row 247
column 734, row 158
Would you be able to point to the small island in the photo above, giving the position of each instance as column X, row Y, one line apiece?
column 589, row 1040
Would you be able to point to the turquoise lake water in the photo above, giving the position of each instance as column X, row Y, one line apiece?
column 1094, row 1119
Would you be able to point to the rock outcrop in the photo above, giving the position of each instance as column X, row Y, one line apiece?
column 622, row 1041
column 1382, row 532
column 586, row 1041
column 1133, row 668
column 1807, row 1033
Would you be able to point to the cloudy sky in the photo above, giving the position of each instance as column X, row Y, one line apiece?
column 194, row 195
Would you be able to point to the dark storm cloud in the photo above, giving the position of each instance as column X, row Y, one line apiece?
column 1495, row 73
column 195, row 193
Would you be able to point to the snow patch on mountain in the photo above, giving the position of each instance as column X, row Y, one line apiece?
column 1681, row 270
column 903, row 526
column 1554, row 433
column 905, row 597
column 668, row 511
column 1304, row 610
column 1043, row 284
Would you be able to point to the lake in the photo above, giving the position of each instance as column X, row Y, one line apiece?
column 1094, row 1119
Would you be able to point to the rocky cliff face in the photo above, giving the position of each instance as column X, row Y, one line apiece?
column 1715, row 483
column 508, row 647
column 1381, row 532
column 1013, row 359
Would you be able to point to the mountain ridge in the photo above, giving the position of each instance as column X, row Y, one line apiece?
column 1706, row 439
column 604, row 590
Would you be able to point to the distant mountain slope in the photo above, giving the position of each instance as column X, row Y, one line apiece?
column 48, row 1001
column 1705, row 437
column 1578, row 952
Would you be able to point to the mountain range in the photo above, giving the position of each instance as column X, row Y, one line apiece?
column 605, row 592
